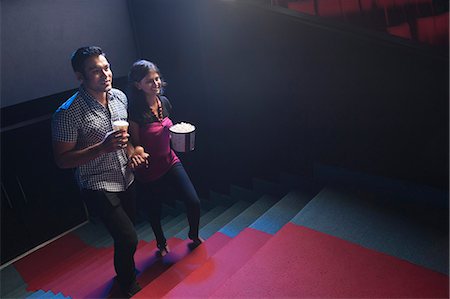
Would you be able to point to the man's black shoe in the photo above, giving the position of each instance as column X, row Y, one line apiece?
column 131, row 289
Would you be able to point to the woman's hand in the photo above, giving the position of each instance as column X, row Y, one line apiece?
column 139, row 158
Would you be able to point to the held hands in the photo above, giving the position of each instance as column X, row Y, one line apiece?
column 138, row 158
column 115, row 140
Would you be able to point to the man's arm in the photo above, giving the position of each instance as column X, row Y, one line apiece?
column 67, row 156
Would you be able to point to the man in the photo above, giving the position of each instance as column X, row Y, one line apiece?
column 83, row 138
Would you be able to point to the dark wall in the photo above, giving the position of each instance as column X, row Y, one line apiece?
column 38, row 37
column 270, row 91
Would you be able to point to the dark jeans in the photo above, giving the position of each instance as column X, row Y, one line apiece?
column 117, row 211
column 175, row 182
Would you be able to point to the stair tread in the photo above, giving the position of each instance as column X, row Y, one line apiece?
column 191, row 260
column 219, row 221
column 364, row 219
column 207, row 278
column 282, row 212
column 315, row 264
column 247, row 217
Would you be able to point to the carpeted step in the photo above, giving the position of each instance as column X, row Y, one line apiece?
column 282, row 212
column 64, row 277
column 241, row 193
column 94, row 234
column 10, row 281
column 204, row 220
column 293, row 181
column 220, row 199
column 371, row 221
column 51, row 261
column 37, row 294
column 146, row 257
column 218, row 222
column 185, row 263
column 144, row 230
column 247, row 217
column 299, row 262
column 207, row 278
column 402, row 191
column 269, row 188
column 175, row 257
column 84, row 278
column 44, row 295
column 20, row 292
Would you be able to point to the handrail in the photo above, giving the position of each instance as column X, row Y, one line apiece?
column 26, row 123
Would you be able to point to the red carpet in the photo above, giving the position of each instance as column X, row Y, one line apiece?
column 49, row 262
column 183, row 267
column 219, row 267
column 300, row 262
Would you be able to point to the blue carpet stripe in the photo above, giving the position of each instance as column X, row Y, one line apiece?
column 215, row 224
column 282, row 212
column 247, row 217
column 367, row 221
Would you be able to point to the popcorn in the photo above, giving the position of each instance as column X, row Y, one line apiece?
column 182, row 128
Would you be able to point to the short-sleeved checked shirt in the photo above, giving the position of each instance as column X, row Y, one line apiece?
column 82, row 119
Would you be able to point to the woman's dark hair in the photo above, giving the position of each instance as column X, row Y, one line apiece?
column 82, row 54
column 137, row 106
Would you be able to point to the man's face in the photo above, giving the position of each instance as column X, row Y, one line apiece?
column 97, row 75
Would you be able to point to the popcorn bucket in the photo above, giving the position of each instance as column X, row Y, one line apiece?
column 182, row 137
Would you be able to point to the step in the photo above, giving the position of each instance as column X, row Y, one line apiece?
column 36, row 295
column 282, row 212
column 94, row 234
column 176, row 254
column 241, row 193
column 220, row 199
column 85, row 277
column 165, row 281
column 298, row 262
column 218, row 222
column 206, row 279
column 402, row 190
column 144, row 230
column 300, row 182
column 365, row 219
column 204, row 220
column 53, row 267
column 20, row 292
column 10, row 280
column 267, row 187
column 247, row 217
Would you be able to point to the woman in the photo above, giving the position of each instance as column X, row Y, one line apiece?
column 149, row 127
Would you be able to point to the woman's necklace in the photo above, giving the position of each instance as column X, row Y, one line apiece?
column 158, row 115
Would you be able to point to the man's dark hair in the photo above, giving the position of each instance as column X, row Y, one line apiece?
column 82, row 54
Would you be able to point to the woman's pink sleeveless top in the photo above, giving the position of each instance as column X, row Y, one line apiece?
column 155, row 138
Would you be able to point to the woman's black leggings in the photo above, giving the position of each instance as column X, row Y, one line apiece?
column 176, row 182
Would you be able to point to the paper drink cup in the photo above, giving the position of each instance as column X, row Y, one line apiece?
column 120, row 125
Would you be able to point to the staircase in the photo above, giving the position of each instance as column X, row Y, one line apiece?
column 293, row 238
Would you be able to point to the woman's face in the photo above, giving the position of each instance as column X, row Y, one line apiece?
column 150, row 84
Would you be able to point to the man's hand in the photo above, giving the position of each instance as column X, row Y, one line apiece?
column 139, row 158
column 114, row 141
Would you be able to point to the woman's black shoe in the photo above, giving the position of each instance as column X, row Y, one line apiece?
column 163, row 249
